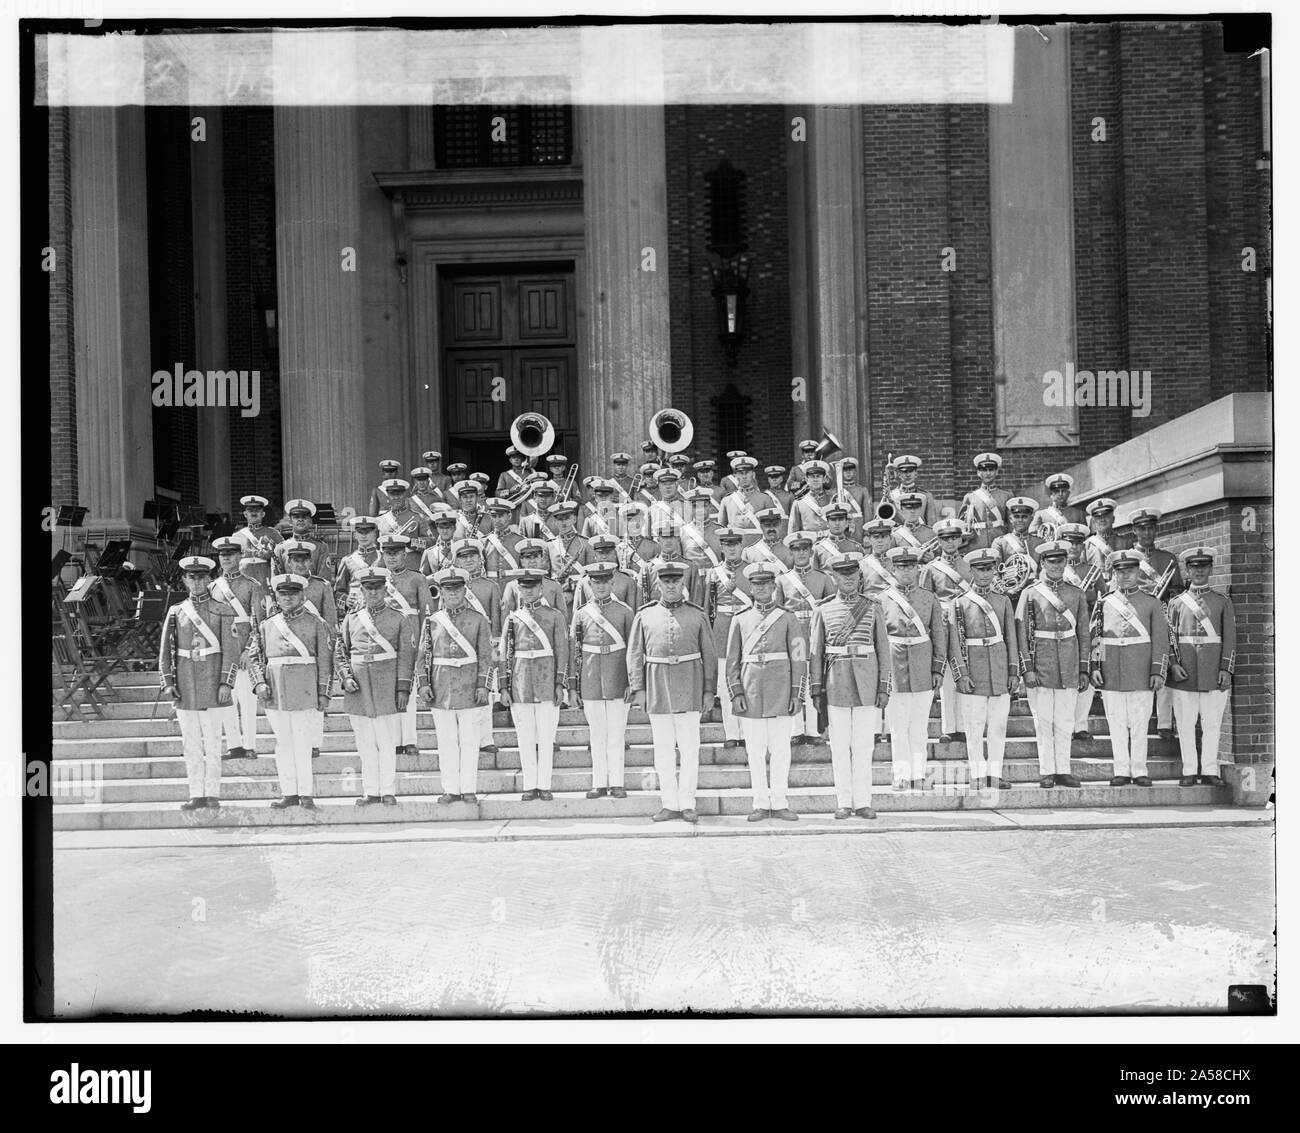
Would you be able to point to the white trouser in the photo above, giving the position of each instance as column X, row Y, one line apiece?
column 1209, row 706
column 986, row 713
column 607, row 727
column 852, row 733
column 949, row 705
column 535, row 724
column 409, row 720
column 239, row 721
column 484, row 727
column 1128, row 715
column 295, row 736
column 679, row 731
column 908, row 717
column 1082, row 709
column 771, row 734
column 201, row 742
column 808, row 715
column 458, row 738
column 377, row 739
column 1054, row 710
column 1165, row 709
column 730, row 721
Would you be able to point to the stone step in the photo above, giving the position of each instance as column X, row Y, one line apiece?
column 262, row 783
column 574, row 807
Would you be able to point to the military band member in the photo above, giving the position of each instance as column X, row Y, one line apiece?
column 1053, row 640
column 982, row 649
column 458, row 473
column 499, row 539
column 769, row 547
column 646, row 493
column 534, row 556
column 623, row 584
column 257, row 540
column 197, row 657
column 918, row 649
column 740, row 508
column 405, row 519
column 557, row 466
column 483, row 595
column 423, row 493
column 783, row 499
column 374, row 656
column 570, row 552
column 837, row 540
column 470, row 498
column 669, row 550
column 948, row 576
column 292, row 663
column 1104, row 541
column 1020, row 513
column 809, row 511
column 620, row 462
column 907, row 467
column 1079, row 572
column 437, row 478
column 1204, row 626
column 706, row 472
column 667, row 510
column 451, row 679
column 766, row 669
column 856, row 496
column 1047, row 521
column 300, row 514
column 447, row 528
column 730, row 482
column 909, row 530
column 598, row 676
column 672, row 670
column 700, row 532
column 248, row 598
column 727, row 593
column 850, row 654
column 532, row 520
column 534, row 669
column 512, row 481
column 379, row 500
column 799, row 589
column 600, row 512
column 797, row 479
column 1130, row 658
column 874, row 569
column 1157, row 562
column 409, row 595
column 984, row 511
column 347, row 588
column 318, row 594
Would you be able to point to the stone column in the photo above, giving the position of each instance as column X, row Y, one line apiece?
column 110, row 278
column 625, row 206
column 317, row 215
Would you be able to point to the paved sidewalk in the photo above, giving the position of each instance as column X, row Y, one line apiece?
column 915, row 921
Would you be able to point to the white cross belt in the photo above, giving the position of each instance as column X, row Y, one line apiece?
column 672, row 660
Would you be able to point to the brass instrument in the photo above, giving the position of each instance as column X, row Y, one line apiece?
column 1014, row 574
column 1162, row 582
column 533, row 435
column 566, row 485
column 828, row 445
column 886, row 510
column 671, row 431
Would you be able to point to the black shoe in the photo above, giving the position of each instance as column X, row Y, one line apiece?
column 545, row 796
column 617, row 793
column 367, row 800
column 597, row 792
column 1000, row 784
column 758, row 815
column 865, row 812
column 285, row 803
column 1046, row 781
column 445, row 798
column 528, row 797
column 959, row 737
column 1068, row 781
column 315, row 753
column 689, row 815
column 735, row 743
column 212, row 802
column 1120, row 780
column 1212, row 780
column 194, row 804
column 491, row 749
column 665, row 815
column 844, row 812
column 785, row 814
column 796, row 740
column 389, row 800
column 1188, row 781
column 1165, row 733
column 1142, row 781
column 1081, row 736
column 945, row 738
column 412, row 749
column 471, row 799
column 236, row 753
column 306, row 802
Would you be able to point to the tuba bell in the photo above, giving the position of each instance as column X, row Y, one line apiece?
column 532, row 434
column 671, row 430
column 828, row 446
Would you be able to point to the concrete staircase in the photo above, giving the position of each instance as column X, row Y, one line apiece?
column 126, row 771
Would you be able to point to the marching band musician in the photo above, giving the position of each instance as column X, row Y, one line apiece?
column 875, row 574
column 438, row 479
column 705, row 471
column 569, row 551
column 983, row 653
column 601, row 510
column 451, row 679
column 700, row 545
column 730, row 482
column 912, row 532
column 512, row 479
column 534, row 668
column 557, row 466
column 437, row 556
column 797, row 479
column 646, row 474
column 769, row 546
column 469, row 498
column 680, row 463
column 672, row 673
column 1156, row 562
column 423, row 493
column 918, row 648
column 1103, row 542
column 1047, row 520
column 374, row 657
column 598, row 676
column 379, row 501
column 906, row 467
column 666, row 511
column 256, row 540
column 532, row 520
column 317, row 598
column 799, row 589
column 534, row 556
column 1020, row 513
column 837, row 540
column 403, row 518
column 197, row 657
column 984, row 511
column 856, row 496
column 482, row 595
column 347, row 588
column 408, row 594
column 1205, row 628
column 849, row 675
column 1053, row 638
column 620, row 462
column 766, row 672
column 300, row 514
column 499, row 539
column 623, row 583
column 784, row 500
column 740, row 508
column 457, row 473
column 1130, row 657
column 292, row 664
column 249, row 600
column 1079, row 572
column 727, row 593
column 669, row 544
column 948, row 576
column 808, row 513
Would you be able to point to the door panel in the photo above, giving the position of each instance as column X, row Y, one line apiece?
column 544, row 310
column 471, row 379
column 476, row 312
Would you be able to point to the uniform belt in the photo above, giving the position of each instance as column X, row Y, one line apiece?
column 454, row 662
column 850, row 651
column 1125, row 641
column 529, row 654
column 730, row 607
column 254, row 559
column 672, row 660
column 985, row 640
column 908, row 640
column 602, row 649
column 367, row 658
column 198, row 652
column 758, row 658
column 275, row 661
column 1197, row 639
column 1055, row 634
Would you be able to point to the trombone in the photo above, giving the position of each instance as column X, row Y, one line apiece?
column 827, row 446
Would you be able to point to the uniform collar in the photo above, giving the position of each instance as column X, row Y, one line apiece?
column 1199, row 590
column 763, row 609
column 672, row 605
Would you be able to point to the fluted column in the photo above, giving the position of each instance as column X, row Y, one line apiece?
column 110, row 279
column 625, row 207
column 317, row 215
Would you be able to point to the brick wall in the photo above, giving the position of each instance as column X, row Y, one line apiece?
column 249, row 187
column 752, row 138
column 63, row 377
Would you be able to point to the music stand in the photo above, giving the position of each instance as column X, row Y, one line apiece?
column 114, row 555
column 218, row 524
column 71, row 515
column 325, row 516
column 60, row 560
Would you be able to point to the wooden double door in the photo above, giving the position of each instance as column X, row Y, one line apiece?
column 509, row 336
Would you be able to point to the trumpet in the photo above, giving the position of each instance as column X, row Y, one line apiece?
column 1162, row 582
